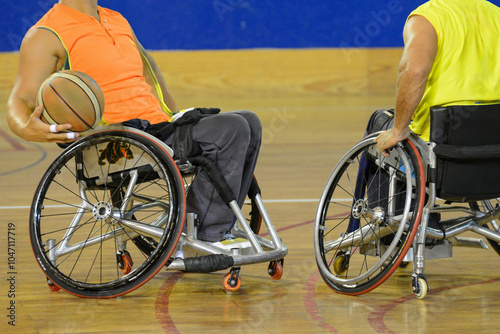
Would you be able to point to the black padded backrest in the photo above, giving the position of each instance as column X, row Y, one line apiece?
column 468, row 151
column 466, row 125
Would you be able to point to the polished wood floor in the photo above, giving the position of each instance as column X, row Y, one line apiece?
column 313, row 105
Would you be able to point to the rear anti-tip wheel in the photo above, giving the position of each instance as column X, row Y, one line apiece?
column 341, row 263
column 404, row 265
column 125, row 262
column 52, row 286
column 275, row 269
column 232, row 281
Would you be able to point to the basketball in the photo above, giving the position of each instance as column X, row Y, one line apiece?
column 71, row 97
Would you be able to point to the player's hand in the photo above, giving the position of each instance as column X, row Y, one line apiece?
column 388, row 139
column 201, row 111
column 208, row 111
column 37, row 130
column 192, row 115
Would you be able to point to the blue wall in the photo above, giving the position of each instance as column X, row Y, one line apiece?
column 236, row 24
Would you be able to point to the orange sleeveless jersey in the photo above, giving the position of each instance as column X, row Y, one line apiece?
column 107, row 52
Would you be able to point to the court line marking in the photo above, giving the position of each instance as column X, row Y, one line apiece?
column 35, row 145
column 306, row 200
column 14, row 142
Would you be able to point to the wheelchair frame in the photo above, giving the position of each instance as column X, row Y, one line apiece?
column 129, row 190
column 360, row 241
column 472, row 220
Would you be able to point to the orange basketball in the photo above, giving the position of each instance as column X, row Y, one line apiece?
column 71, row 97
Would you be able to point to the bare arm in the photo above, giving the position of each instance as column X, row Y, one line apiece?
column 416, row 63
column 167, row 97
column 41, row 54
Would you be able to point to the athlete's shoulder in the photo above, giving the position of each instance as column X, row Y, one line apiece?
column 110, row 13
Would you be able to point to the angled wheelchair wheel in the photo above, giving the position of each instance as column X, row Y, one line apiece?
column 368, row 215
column 107, row 214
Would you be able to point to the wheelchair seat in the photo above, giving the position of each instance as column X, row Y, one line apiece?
column 467, row 147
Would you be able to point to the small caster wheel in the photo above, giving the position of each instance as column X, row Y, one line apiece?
column 341, row 263
column 275, row 269
column 125, row 262
column 420, row 286
column 232, row 281
column 52, row 286
column 403, row 265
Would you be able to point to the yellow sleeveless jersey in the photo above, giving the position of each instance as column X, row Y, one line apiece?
column 467, row 66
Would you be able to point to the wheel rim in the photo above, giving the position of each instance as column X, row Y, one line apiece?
column 373, row 245
column 86, row 264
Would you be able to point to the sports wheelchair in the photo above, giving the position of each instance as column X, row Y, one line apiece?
column 110, row 212
column 377, row 214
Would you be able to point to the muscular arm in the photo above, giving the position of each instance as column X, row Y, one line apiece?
column 167, row 97
column 416, row 63
column 41, row 54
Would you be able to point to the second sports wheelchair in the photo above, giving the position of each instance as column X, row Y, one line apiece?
column 110, row 212
column 377, row 214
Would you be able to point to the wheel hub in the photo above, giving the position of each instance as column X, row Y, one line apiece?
column 378, row 215
column 102, row 210
column 358, row 208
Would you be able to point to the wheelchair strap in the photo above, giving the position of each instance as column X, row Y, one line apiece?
column 214, row 173
column 456, row 152
column 162, row 130
column 254, row 189
column 183, row 144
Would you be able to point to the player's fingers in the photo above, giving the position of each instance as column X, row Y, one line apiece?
column 71, row 135
column 55, row 128
column 64, row 127
column 66, row 137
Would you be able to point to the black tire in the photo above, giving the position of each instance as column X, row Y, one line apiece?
column 358, row 240
column 78, row 189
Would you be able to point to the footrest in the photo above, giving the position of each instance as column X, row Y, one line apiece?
column 238, row 246
column 468, row 242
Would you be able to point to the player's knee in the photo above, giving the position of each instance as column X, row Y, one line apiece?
column 237, row 130
column 253, row 120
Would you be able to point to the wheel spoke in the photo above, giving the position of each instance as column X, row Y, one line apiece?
column 81, row 246
column 365, row 216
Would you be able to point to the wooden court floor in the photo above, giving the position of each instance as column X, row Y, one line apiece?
column 304, row 135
